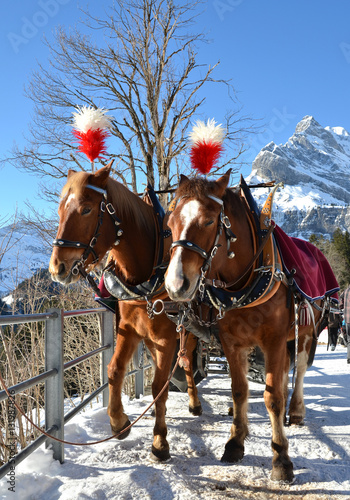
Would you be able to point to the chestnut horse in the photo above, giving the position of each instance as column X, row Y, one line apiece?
column 129, row 232
column 207, row 220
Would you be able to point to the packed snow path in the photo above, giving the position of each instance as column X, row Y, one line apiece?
column 123, row 470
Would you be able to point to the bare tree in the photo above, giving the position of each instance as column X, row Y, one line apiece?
column 140, row 62
column 6, row 235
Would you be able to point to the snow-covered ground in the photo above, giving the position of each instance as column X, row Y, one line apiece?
column 123, row 470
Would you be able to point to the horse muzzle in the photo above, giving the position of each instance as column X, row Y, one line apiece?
column 61, row 273
column 180, row 289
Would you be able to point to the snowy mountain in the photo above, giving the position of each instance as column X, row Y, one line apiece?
column 314, row 166
column 22, row 253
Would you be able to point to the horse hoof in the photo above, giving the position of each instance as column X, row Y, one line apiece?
column 160, row 455
column 296, row 420
column 233, row 453
column 283, row 474
column 120, row 434
column 195, row 410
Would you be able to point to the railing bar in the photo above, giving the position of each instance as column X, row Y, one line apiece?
column 82, row 358
column 28, row 383
column 17, row 319
column 84, row 312
column 48, row 374
column 28, row 450
column 86, row 401
column 132, row 372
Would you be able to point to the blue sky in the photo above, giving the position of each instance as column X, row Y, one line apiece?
column 285, row 60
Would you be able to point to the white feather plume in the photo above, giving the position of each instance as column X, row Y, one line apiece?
column 209, row 132
column 86, row 118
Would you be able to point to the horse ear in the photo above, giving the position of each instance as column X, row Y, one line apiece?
column 222, row 182
column 100, row 176
column 70, row 173
column 183, row 178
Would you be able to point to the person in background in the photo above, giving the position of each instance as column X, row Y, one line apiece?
column 334, row 322
column 345, row 305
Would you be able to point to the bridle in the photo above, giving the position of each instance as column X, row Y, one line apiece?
column 223, row 223
column 79, row 267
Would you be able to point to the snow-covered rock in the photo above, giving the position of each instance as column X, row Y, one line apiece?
column 26, row 254
column 314, row 165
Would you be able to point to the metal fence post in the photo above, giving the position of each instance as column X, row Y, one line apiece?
column 54, row 392
column 139, row 375
column 106, row 338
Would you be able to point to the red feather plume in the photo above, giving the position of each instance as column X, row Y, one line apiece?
column 206, row 145
column 92, row 142
column 205, row 155
column 90, row 129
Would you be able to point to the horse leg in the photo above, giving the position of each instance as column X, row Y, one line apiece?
column 195, row 406
column 274, row 397
column 297, row 405
column 126, row 344
column 164, row 356
column 234, row 448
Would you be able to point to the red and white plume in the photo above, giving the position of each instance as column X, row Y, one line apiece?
column 90, row 128
column 206, row 145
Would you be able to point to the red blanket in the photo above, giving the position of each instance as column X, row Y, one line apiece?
column 314, row 277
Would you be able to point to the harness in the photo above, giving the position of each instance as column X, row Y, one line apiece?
column 223, row 223
column 155, row 284
column 79, row 267
column 115, row 286
column 264, row 279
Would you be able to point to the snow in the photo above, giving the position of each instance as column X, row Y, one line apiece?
column 338, row 130
column 26, row 255
column 123, row 469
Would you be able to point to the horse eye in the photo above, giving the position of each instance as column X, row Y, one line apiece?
column 85, row 211
column 209, row 223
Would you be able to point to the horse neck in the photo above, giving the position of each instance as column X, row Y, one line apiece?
column 134, row 256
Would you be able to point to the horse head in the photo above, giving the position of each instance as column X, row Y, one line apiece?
column 194, row 224
column 81, row 239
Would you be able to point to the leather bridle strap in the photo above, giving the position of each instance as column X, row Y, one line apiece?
column 207, row 256
column 250, row 264
column 89, row 248
column 190, row 246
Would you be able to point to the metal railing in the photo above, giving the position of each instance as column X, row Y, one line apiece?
column 53, row 376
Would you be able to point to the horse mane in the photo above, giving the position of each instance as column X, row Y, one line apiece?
column 128, row 206
column 197, row 187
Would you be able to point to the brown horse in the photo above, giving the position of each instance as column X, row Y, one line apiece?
column 99, row 215
column 207, row 220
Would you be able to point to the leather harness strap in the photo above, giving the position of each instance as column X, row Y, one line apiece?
column 222, row 284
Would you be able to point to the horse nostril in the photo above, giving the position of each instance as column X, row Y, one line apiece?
column 185, row 285
column 61, row 269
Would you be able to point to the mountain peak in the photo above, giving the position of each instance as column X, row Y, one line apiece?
column 313, row 165
column 308, row 124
